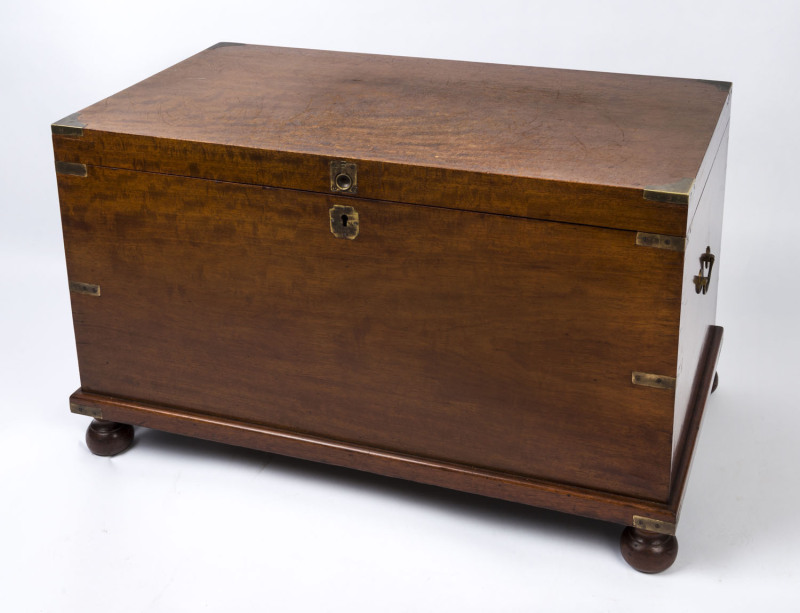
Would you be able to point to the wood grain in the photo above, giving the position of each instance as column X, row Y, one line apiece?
column 690, row 432
column 480, row 330
column 597, row 504
column 699, row 311
column 533, row 142
column 508, row 345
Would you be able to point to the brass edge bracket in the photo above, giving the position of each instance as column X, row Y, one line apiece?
column 649, row 380
column 653, row 525
column 69, row 126
column 661, row 241
column 84, row 288
column 71, row 168
column 678, row 192
column 82, row 409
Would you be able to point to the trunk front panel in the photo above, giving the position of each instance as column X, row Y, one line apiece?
column 485, row 340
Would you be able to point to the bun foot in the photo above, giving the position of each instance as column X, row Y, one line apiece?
column 107, row 438
column 648, row 552
column 716, row 382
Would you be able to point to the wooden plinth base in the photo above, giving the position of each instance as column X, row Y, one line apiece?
column 646, row 551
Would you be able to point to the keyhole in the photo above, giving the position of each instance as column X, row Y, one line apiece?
column 344, row 221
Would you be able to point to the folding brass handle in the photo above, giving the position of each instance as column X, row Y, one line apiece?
column 703, row 279
column 343, row 182
column 344, row 177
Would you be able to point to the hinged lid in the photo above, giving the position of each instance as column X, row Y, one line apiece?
column 611, row 150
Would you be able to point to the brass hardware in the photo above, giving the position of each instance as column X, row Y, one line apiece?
column 649, row 380
column 653, row 525
column 84, row 288
column 344, row 222
column 218, row 45
column 676, row 193
column 344, row 177
column 723, row 86
column 69, row 126
column 343, row 182
column 661, row 241
column 71, row 168
column 82, row 409
column 703, row 278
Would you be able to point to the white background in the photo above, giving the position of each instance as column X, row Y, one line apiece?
column 177, row 524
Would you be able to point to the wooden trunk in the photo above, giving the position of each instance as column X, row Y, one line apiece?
column 497, row 279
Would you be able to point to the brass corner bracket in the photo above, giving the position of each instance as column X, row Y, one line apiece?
column 83, row 409
column 653, row 525
column 225, row 44
column 678, row 192
column 69, row 126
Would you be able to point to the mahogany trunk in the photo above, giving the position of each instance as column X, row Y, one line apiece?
column 497, row 279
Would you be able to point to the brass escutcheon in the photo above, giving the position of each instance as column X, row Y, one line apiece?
column 344, row 221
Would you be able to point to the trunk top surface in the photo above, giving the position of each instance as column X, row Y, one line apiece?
column 612, row 150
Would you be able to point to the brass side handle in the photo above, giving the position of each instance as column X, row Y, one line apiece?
column 703, row 279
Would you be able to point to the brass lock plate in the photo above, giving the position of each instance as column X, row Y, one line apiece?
column 344, row 222
column 344, row 177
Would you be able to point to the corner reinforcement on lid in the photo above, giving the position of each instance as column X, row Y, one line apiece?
column 69, row 126
column 223, row 44
column 678, row 192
